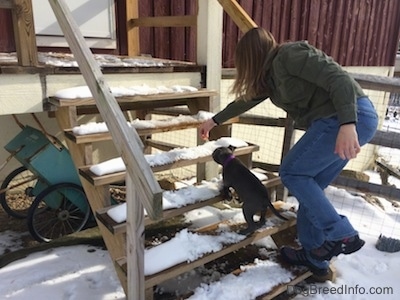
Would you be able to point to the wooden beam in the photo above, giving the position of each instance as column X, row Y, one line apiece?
column 126, row 139
column 164, row 21
column 238, row 15
column 367, row 81
column 379, row 83
column 132, row 12
column 391, row 170
column 135, row 243
column 388, row 139
column 24, row 32
column 250, row 119
column 366, row 187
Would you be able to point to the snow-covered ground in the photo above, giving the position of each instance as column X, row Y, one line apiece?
column 86, row 272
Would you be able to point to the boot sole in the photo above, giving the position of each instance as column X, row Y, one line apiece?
column 316, row 271
column 348, row 250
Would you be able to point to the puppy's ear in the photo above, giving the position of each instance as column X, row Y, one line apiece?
column 232, row 148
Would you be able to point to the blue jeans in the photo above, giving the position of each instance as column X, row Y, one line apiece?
column 310, row 166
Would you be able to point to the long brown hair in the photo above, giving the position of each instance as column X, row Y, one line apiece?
column 253, row 57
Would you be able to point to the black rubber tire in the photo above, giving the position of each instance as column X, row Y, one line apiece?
column 46, row 223
column 17, row 200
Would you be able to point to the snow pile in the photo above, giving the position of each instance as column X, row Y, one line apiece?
column 183, row 196
column 253, row 281
column 160, row 159
column 142, row 90
column 175, row 199
column 100, row 127
column 104, row 60
column 186, row 247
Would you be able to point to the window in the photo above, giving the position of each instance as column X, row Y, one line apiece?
column 95, row 18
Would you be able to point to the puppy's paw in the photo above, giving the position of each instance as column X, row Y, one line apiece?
column 260, row 223
column 226, row 193
column 247, row 231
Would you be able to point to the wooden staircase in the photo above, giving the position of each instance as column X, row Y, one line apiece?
column 97, row 188
column 126, row 245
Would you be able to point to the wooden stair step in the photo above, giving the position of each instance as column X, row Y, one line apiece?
column 105, row 136
column 120, row 176
column 153, row 280
column 140, row 101
column 391, row 170
column 117, row 228
column 299, row 276
column 160, row 145
column 170, row 111
column 283, row 287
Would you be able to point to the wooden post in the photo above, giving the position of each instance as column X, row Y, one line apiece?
column 132, row 12
column 24, row 30
column 134, row 243
column 209, row 53
column 288, row 141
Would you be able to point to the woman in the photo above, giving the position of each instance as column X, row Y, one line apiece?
column 337, row 117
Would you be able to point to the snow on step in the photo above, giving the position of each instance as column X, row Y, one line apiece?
column 164, row 158
column 101, row 127
column 175, row 199
column 182, row 197
column 186, row 247
column 84, row 91
column 254, row 280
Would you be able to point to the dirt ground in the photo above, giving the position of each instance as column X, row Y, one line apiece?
column 16, row 225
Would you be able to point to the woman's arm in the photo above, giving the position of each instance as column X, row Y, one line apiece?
column 233, row 109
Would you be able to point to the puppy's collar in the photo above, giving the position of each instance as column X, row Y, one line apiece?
column 228, row 160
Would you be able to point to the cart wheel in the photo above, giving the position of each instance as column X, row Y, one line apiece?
column 17, row 196
column 55, row 212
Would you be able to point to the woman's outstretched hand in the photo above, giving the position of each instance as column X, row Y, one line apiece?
column 347, row 145
column 205, row 128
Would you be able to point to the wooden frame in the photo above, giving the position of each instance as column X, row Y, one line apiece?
column 133, row 22
column 24, row 30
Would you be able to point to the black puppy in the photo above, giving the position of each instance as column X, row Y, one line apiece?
column 248, row 187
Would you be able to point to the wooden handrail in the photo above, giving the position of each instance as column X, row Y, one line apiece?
column 238, row 15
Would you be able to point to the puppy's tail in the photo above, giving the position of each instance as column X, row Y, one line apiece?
column 276, row 213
